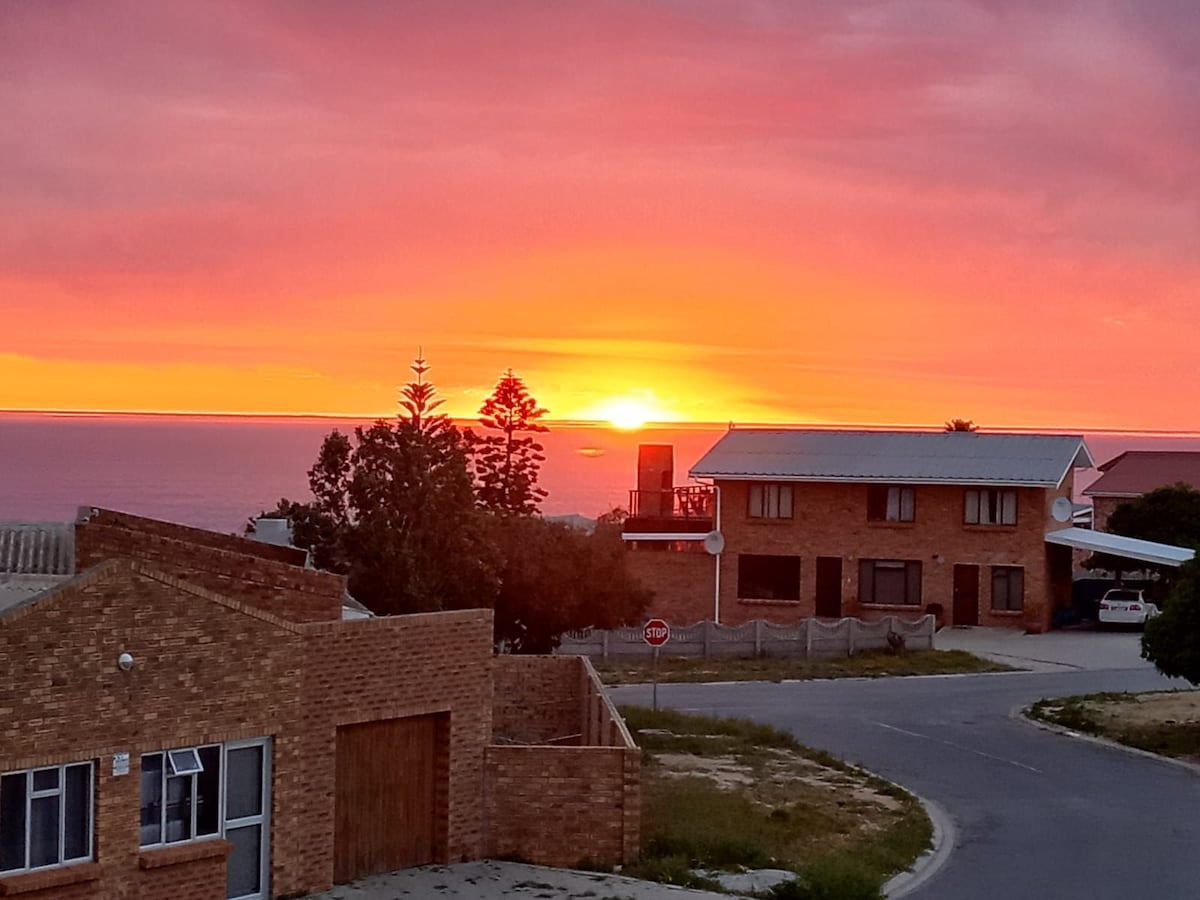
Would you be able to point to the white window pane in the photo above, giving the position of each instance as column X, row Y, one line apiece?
column 907, row 505
column 1009, row 511
column 893, row 505
column 785, row 501
column 972, row 508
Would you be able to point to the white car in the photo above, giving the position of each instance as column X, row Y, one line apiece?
column 1125, row 606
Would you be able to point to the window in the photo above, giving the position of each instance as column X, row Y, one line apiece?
column 990, row 507
column 181, row 795
column 890, row 504
column 768, row 577
column 890, row 581
column 1008, row 588
column 45, row 817
column 770, row 501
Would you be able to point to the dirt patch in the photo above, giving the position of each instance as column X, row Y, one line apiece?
column 1141, row 710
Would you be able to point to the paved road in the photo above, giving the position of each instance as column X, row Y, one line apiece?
column 1038, row 815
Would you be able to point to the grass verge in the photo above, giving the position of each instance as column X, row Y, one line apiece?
column 732, row 795
column 870, row 664
column 1164, row 722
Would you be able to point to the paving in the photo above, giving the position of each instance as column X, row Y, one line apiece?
column 1055, row 651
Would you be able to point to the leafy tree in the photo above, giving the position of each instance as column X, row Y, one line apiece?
column 961, row 425
column 507, row 464
column 1167, row 515
column 1172, row 639
column 555, row 578
column 395, row 510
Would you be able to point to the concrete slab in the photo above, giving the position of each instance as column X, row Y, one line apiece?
column 1054, row 651
column 489, row 879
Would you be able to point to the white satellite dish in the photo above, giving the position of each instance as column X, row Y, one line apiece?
column 714, row 542
column 1062, row 510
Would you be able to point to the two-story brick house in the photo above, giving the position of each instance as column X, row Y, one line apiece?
column 873, row 523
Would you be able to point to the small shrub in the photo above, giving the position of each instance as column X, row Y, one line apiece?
column 832, row 878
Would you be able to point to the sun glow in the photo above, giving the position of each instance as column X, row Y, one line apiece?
column 626, row 414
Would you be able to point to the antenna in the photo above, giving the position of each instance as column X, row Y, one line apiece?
column 714, row 543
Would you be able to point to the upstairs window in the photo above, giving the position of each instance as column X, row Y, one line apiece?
column 990, row 507
column 45, row 817
column 770, row 501
column 890, row 504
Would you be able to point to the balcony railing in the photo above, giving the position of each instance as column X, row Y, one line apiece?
column 690, row 502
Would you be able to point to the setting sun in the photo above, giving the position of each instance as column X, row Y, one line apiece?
column 626, row 414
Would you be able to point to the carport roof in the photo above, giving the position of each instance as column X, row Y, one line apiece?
column 1119, row 545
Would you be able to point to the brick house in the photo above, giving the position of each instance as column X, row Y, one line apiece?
column 191, row 715
column 1137, row 472
column 868, row 523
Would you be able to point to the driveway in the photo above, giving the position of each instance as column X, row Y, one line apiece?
column 1037, row 814
column 1056, row 651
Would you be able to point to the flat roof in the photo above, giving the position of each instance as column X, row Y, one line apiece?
column 1119, row 545
column 913, row 457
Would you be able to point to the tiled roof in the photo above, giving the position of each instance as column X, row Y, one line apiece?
column 1017, row 460
column 1135, row 472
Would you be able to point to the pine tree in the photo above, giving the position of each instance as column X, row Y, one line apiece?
column 507, row 464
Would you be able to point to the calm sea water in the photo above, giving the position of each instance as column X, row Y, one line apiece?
column 216, row 472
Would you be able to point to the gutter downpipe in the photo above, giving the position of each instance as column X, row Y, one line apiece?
column 717, row 560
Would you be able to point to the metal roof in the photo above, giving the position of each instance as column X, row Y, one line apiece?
column 1136, row 472
column 1015, row 460
column 1119, row 545
column 37, row 548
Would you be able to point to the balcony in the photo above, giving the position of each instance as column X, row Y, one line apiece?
column 681, row 509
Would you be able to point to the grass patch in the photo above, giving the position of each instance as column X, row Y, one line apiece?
column 869, row 664
column 729, row 795
column 1153, row 722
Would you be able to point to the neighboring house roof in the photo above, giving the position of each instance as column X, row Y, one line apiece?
column 1015, row 460
column 1137, row 472
column 1119, row 545
column 34, row 557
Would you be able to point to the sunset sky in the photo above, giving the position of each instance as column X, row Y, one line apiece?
column 760, row 211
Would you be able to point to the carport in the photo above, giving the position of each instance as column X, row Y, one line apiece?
column 1119, row 545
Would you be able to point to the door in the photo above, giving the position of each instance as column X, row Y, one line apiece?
column 829, row 587
column 966, row 595
column 385, row 794
column 247, row 818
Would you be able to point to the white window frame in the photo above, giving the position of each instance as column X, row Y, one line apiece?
column 188, row 769
column 61, row 792
column 989, row 506
column 900, row 504
column 770, row 500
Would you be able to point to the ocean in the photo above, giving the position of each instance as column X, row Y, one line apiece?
column 216, row 472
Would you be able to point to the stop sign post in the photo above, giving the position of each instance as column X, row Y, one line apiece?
column 656, row 632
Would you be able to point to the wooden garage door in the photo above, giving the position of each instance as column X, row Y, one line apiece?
column 384, row 805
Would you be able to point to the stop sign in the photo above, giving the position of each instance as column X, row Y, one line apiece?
column 656, row 632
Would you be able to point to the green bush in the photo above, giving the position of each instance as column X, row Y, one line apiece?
column 833, row 878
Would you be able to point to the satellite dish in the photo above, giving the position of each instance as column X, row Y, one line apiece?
column 1062, row 510
column 714, row 542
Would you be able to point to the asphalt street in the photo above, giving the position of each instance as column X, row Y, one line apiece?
column 1037, row 814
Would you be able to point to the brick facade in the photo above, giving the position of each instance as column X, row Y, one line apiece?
column 830, row 520
column 269, row 662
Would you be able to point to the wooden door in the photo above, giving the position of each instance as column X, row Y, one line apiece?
column 966, row 595
column 384, row 802
column 829, row 587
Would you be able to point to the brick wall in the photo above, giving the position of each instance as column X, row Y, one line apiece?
column 558, row 806
column 1102, row 510
column 205, row 670
column 831, row 520
column 294, row 593
column 682, row 583
column 208, row 670
column 538, row 699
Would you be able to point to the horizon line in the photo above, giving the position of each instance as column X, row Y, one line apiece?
column 692, row 424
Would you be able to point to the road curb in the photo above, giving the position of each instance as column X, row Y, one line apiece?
column 932, row 861
column 1021, row 713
